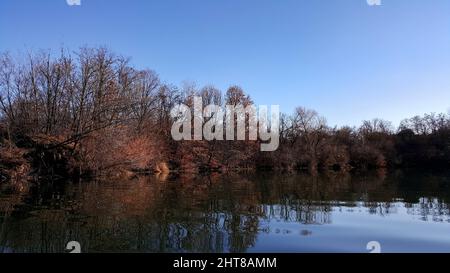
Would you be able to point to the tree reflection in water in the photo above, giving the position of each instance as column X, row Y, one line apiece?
column 202, row 214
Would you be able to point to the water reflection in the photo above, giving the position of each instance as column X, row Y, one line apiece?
column 230, row 213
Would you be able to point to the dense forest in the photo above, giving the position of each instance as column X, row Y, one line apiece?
column 91, row 112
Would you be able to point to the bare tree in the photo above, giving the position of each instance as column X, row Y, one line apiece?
column 310, row 128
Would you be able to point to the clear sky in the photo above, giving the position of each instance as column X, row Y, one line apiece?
column 345, row 59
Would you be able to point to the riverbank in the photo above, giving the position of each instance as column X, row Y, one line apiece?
column 45, row 157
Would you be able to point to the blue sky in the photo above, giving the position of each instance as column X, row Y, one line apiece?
column 345, row 59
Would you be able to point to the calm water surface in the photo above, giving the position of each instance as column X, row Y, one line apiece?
column 405, row 212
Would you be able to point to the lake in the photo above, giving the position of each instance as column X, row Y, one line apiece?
column 404, row 211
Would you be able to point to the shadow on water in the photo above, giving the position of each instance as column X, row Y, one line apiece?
column 228, row 213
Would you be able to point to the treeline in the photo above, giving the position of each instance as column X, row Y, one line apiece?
column 91, row 112
column 308, row 143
